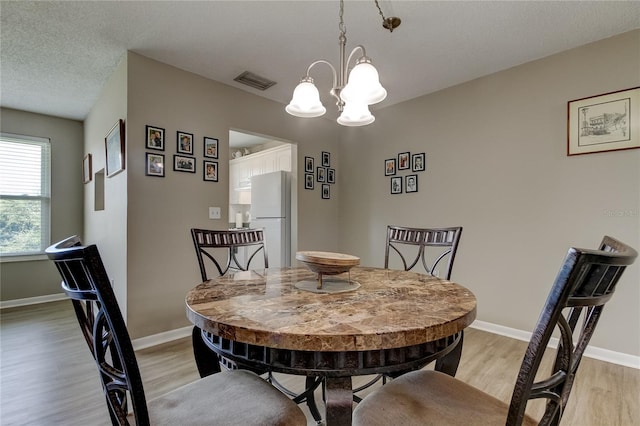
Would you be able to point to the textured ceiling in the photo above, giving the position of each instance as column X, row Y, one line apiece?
column 55, row 57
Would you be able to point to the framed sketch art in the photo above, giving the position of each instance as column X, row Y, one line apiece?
column 114, row 146
column 607, row 122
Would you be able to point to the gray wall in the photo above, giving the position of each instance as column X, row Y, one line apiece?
column 107, row 227
column 497, row 165
column 39, row 277
column 161, row 264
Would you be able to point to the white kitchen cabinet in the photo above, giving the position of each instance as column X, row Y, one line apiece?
column 267, row 161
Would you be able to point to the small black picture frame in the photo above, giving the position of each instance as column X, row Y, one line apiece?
column 390, row 167
column 418, row 162
column 326, row 191
column 396, row 185
column 210, row 147
column 210, row 171
column 308, row 164
column 308, row 181
column 326, row 159
column 411, row 183
column 321, row 174
column 154, row 164
column 155, row 137
column 331, row 176
column 184, row 164
column 404, row 159
column 184, row 143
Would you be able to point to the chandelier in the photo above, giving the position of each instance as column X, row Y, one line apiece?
column 362, row 88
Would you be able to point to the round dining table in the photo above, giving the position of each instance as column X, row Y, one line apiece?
column 375, row 321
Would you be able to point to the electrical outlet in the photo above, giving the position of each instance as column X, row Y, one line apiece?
column 214, row 212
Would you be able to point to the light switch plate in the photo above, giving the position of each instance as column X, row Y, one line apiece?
column 214, row 212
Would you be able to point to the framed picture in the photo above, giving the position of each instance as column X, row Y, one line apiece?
column 210, row 171
column 607, row 122
column 403, row 161
column 185, row 143
column 211, row 148
column 321, row 174
column 87, row 173
column 396, row 185
column 114, row 146
column 326, row 191
column 184, row 164
column 308, row 181
column 154, row 164
column 326, row 159
column 331, row 176
column 417, row 162
column 390, row 167
column 308, row 164
column 411, row 183
column 155, row 138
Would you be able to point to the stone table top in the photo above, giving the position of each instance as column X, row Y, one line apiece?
column 390, row 309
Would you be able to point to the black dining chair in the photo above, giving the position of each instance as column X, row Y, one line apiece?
column 432, row 248
column 228, row 398
column 585, row 283
column 219, row 248
column 213, row 245
column 425, row 247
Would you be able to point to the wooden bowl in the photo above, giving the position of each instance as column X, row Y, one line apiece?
column 326, row 263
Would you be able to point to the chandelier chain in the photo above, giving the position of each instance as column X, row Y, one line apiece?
column 342, row 26
column 380, row 11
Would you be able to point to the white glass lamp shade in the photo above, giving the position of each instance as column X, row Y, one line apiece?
column 356, row 114
column 363, row 85
column 306, row 101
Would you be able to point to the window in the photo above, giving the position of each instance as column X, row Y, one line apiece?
column 25, row 194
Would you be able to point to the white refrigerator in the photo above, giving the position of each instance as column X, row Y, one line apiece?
column 271, row 210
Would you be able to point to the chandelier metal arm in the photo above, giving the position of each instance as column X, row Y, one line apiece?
column 335, row 89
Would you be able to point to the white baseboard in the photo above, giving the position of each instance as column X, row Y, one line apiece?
column 157, row 339
column 591, row 351
column 32, row 300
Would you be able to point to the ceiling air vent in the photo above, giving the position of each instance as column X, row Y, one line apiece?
column 254, row 80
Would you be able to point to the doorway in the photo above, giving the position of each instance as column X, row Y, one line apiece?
column 252, row 155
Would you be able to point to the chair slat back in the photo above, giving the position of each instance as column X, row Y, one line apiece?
column 586, row 281
column 85, row 281
column 207, row 241
column 444, row 240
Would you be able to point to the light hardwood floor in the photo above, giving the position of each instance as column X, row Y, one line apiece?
column 47, row 376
